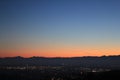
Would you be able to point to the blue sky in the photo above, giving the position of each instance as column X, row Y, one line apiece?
column 55, row 22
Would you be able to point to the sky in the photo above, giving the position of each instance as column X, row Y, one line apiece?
column 59, row 28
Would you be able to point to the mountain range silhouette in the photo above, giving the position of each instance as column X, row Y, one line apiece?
column 111, row 62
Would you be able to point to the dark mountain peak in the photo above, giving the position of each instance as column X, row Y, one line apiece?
column 18, row 57
column 37, row 57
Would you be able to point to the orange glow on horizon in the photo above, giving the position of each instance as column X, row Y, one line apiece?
column 63, row 52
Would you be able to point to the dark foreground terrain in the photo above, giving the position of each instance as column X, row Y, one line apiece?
column 75, row 68
column 57, row 74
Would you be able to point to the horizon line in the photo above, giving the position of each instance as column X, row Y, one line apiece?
column 58, row 56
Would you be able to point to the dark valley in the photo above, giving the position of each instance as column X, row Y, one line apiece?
column 75, row 68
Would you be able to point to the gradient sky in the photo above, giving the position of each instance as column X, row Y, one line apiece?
column 59, row 28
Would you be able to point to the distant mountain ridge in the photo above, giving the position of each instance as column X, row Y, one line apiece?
column 112, row 62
